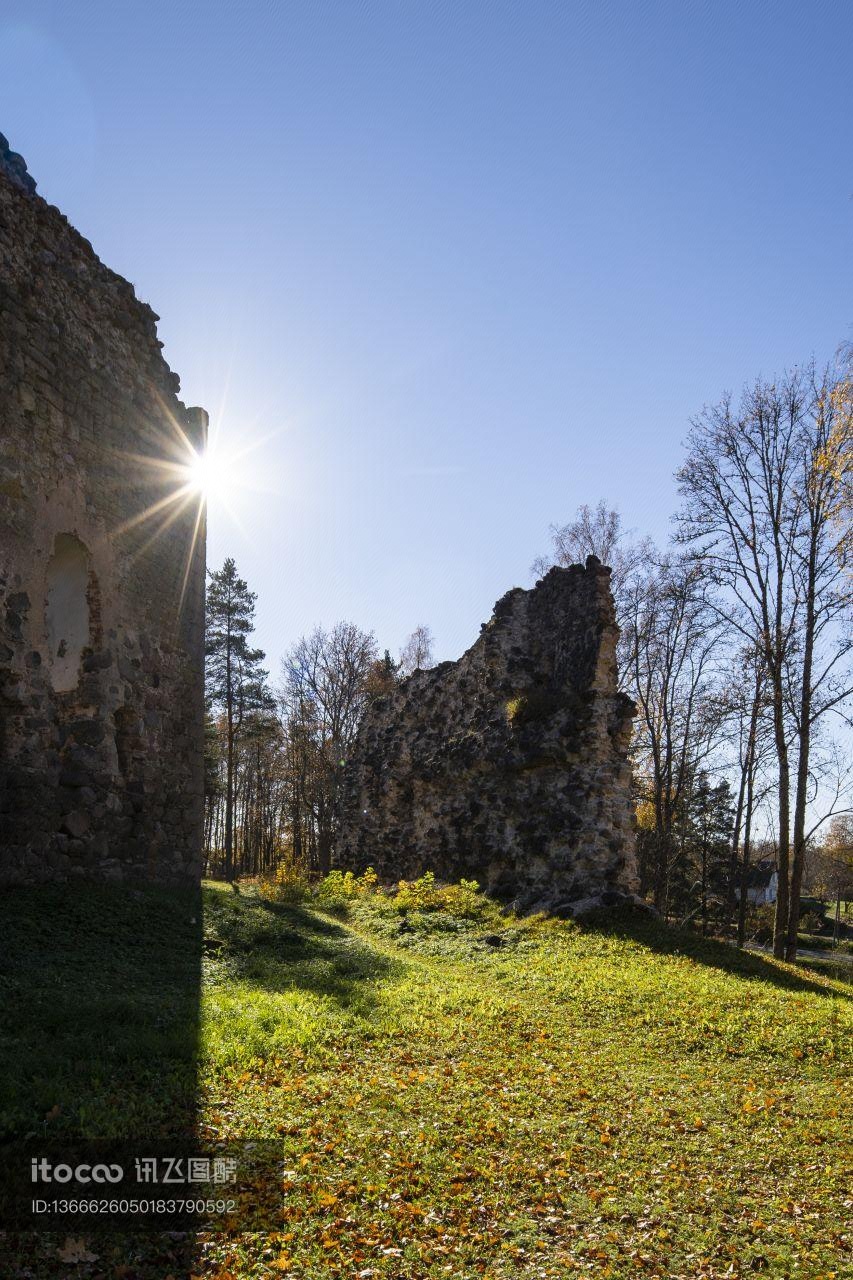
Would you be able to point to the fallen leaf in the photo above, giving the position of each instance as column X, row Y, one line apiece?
column 76, row 1251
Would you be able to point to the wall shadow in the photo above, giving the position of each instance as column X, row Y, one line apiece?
column 279, row 947
column 100, row 1011
column 99, row 1034
column 642, row 927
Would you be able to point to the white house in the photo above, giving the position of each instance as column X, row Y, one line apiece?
column 762, row 881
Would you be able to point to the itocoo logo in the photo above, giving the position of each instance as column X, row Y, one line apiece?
column 43, row 1171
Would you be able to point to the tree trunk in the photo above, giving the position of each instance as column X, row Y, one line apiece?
column 803, row 759
column 324, row 839
column 744, row 868
column 296, row 832
column 780, row 923
column 731, row 886
column 661, row 852
column 229, row 777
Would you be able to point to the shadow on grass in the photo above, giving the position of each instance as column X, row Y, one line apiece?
column 100, row 991
column 99, row 1031
column 282, row 947
column 99, row 1019
column 666, row 939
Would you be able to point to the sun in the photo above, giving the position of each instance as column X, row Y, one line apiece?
column 207, row 476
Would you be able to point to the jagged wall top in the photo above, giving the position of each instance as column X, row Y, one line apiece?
column 15, row 167
column 62, row 250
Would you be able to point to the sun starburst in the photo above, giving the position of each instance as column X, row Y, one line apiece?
column 180, row 479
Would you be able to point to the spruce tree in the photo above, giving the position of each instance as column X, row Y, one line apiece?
column 235, row 681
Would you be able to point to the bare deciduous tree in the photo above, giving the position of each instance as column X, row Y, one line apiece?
column 416, row 653
column 671, row 637
column 597, row 531
column 762, row 487
column 324, row 693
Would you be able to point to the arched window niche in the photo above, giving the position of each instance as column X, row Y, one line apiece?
column 67, row 610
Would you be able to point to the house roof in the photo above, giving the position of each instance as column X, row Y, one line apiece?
column 760, row 875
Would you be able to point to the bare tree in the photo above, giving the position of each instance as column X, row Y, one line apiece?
column 597, row 531
column 416, row 653
column 671, row 636
column 326, row 681
column 761, row 501
column 747, row 710
column 818, row 673
column 744, row 707
column 742, row 516
column 304, row 771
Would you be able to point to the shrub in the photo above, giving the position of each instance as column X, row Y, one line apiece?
column 418, row 895
column 343, row 886
column 811, row 922
column 536, row 704
column 424, row 894
column 465, row 899
column 288, row 883
column 760, row 922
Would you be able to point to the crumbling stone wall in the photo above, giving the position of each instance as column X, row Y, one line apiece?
column 510, row 765
column 101, row 605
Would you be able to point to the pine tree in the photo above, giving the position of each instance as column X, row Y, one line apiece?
column 235, row 681
column 710, row 820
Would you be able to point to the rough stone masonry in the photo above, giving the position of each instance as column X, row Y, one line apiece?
column 101, row 568
column 509, row 766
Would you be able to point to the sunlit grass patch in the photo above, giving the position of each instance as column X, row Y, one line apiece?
column 455, row 1091
column 525, row 1097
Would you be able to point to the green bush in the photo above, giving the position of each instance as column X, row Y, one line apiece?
column 288, row 883
column 343, row 886
column 462, row 899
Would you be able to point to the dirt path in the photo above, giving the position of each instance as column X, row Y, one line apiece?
column 828, row 957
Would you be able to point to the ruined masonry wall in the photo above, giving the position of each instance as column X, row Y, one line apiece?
column 101, row 621
column 510, row 765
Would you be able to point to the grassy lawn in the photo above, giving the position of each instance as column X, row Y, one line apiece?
column 618, row 1100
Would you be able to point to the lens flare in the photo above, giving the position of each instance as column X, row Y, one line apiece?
column 207, row 476
column 183, row 483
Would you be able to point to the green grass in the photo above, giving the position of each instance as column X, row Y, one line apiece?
column 619, row 1100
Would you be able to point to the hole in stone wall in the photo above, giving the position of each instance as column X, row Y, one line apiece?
column 67, row 610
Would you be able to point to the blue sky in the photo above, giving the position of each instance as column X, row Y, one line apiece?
column 453, row 269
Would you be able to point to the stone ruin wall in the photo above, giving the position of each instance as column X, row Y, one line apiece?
column 509, row 766
column 101, row 622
